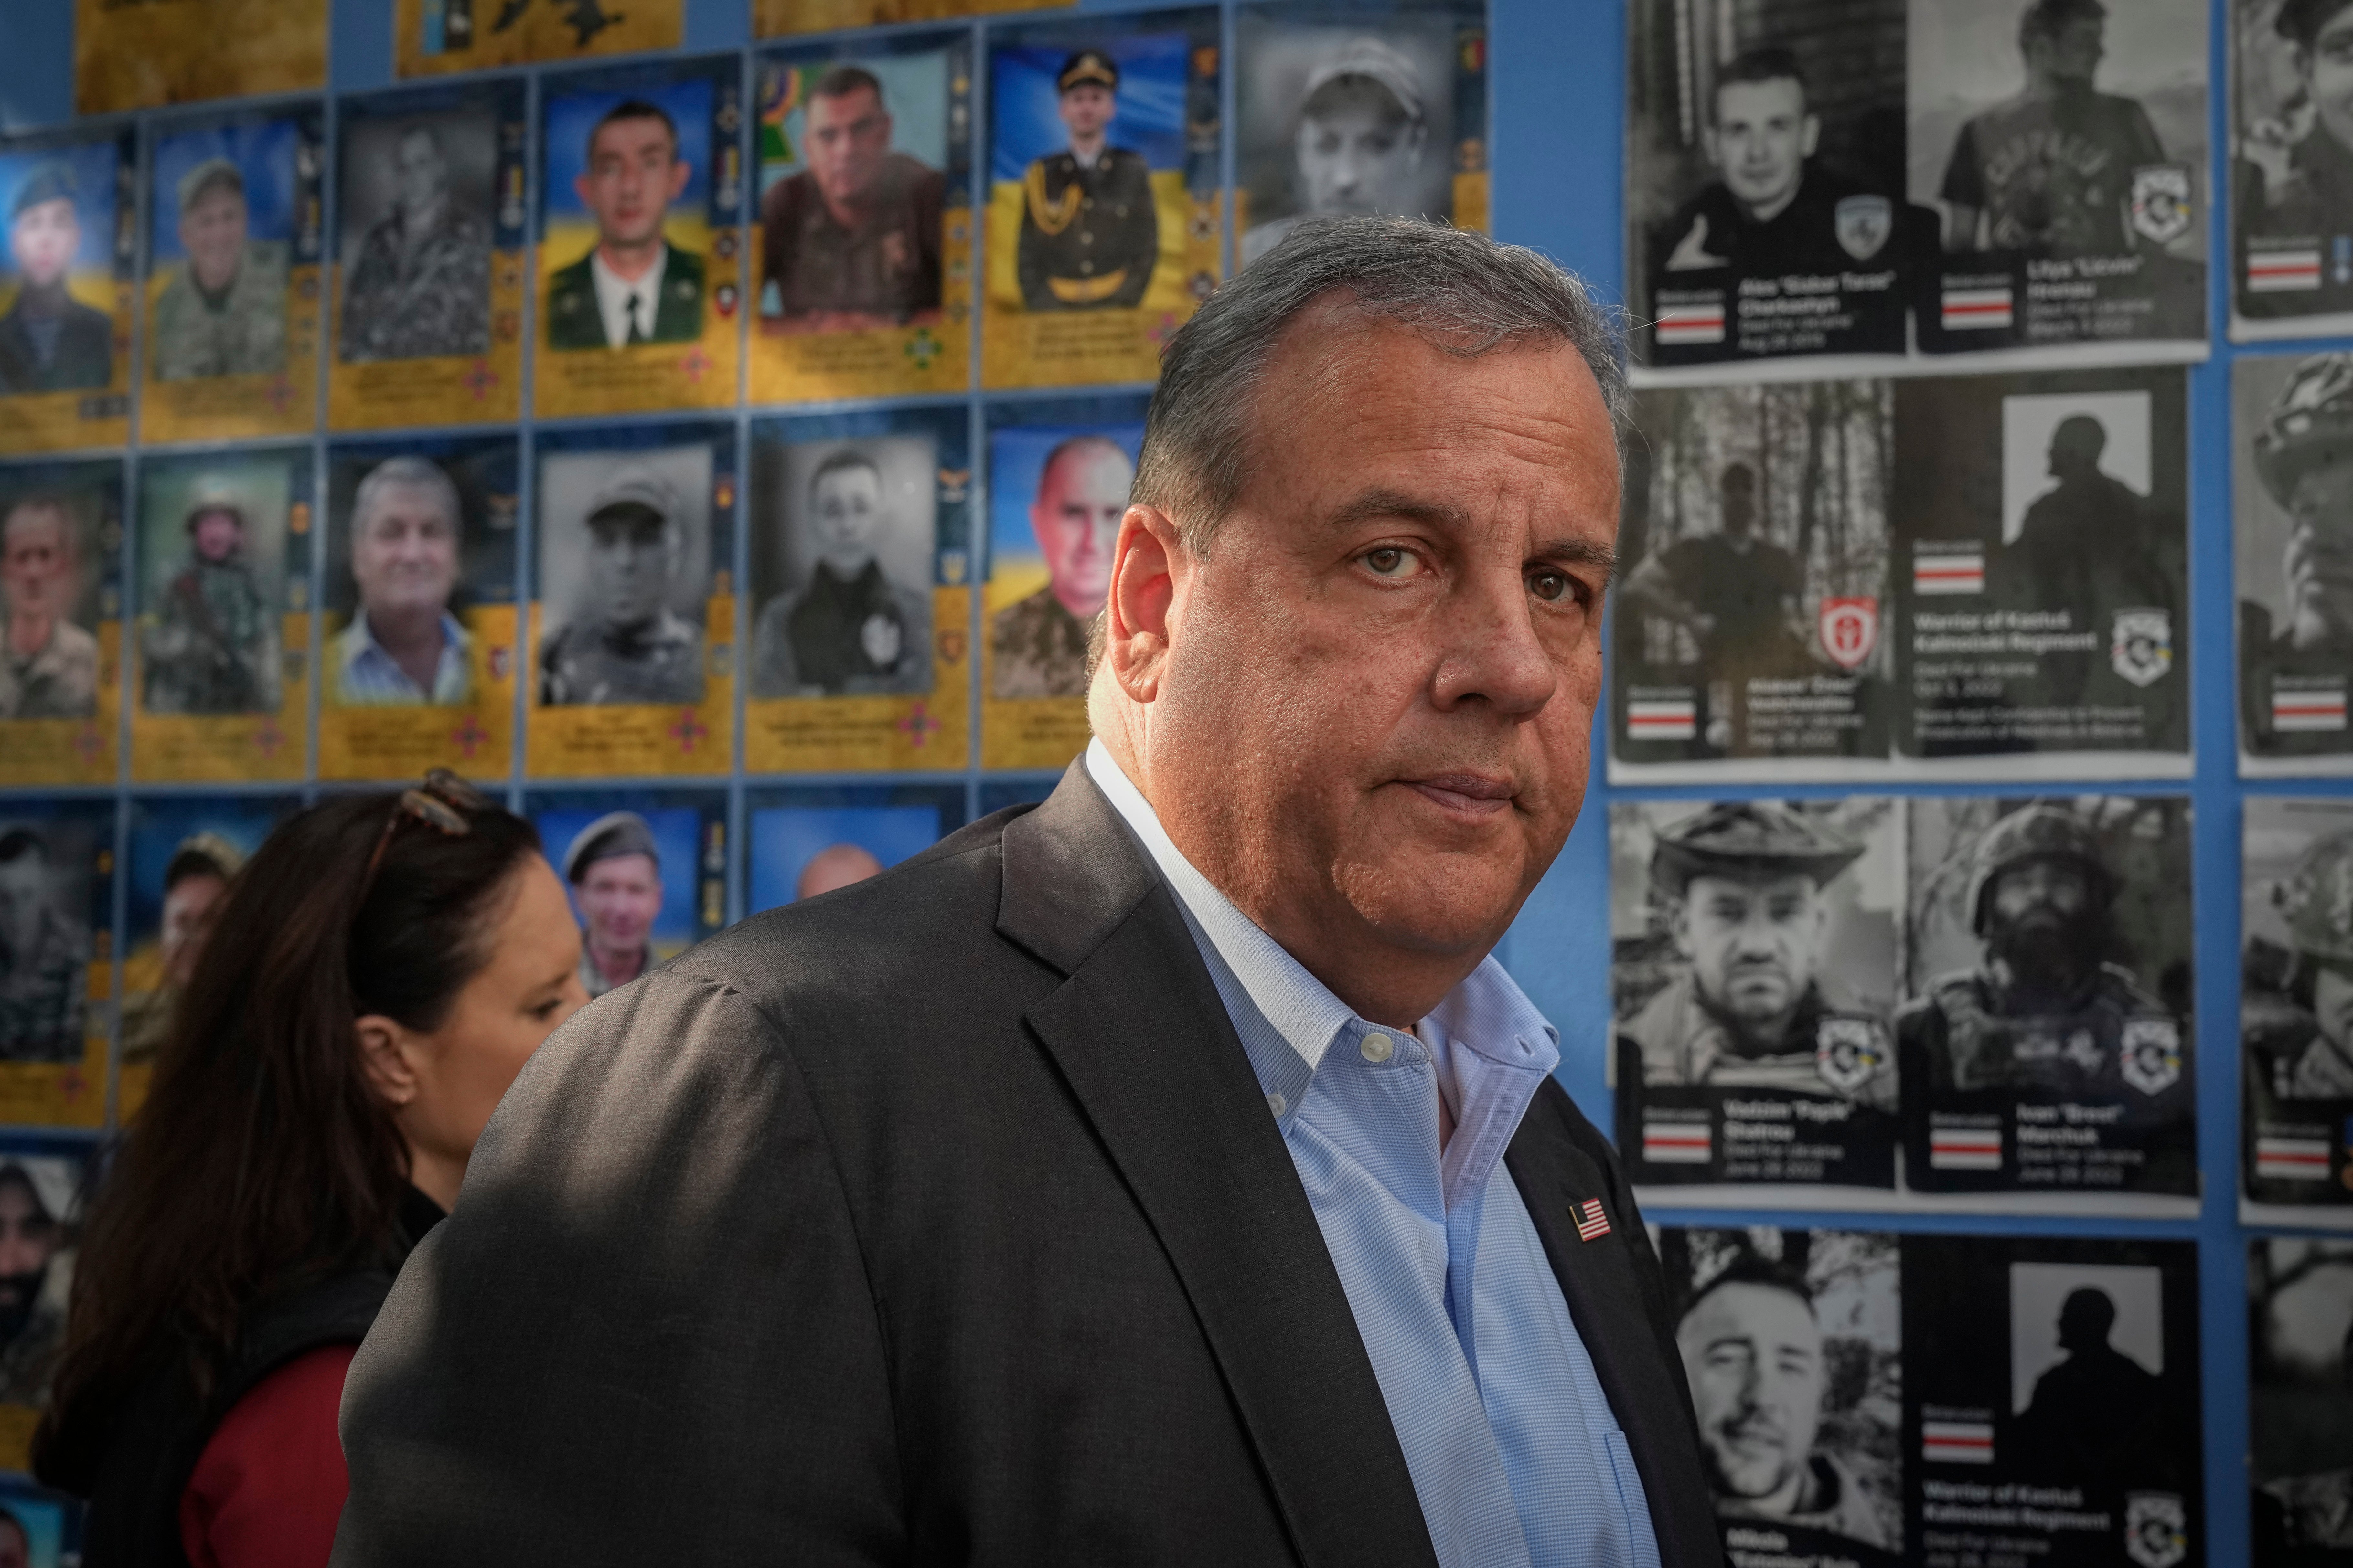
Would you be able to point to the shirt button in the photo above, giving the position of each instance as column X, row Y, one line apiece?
column 1377, row 1049
column 1276, row 1103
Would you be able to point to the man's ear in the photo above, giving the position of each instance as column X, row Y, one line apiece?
column 680, row 172
column 384, row 1047
column 1810, row 137
column 1136, row 628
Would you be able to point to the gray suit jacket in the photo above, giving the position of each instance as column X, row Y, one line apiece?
column 936, row 1220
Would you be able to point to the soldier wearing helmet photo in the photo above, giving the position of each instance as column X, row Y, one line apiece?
column 2043, row 1008
column 2301, row 1024
column 624, row 643
column 1744, row 887
column 2295, row 559
column 213, row 646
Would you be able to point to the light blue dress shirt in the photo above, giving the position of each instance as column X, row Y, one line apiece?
column 1516, row 1454
column 367, row 676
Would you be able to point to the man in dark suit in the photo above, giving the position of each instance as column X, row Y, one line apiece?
column 49, row 340
column 1090, row 229
column 1115, row 1181
column 634, row 286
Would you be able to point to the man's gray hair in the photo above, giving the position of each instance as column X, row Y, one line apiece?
column 407, row 472
column 1461, row 291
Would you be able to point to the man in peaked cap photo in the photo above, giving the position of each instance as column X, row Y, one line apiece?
column 1090, row 230
column 2042, row 1008
column 624, row 643
column 2303, row 454
column 212, row 647
column 1115, row 1180
column 1361, row 138
column 634, row 286
column 615, row 870
column 1744, row 883
column 223, row 312
column 49, row 340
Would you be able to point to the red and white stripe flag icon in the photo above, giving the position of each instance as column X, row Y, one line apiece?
column 1964, row 1149
column 2284, row 271
column 1592, row 1222
column 2292, row 1159
column 1957, row 1442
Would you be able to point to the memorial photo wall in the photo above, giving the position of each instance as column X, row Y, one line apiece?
column 712, row 438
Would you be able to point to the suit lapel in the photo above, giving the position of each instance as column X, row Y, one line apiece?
column 1606, row 1299
column 1146, row 1046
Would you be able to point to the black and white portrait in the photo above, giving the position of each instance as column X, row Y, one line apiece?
column 2291, row 518
column 624, row 573
column 1765, row 213
column 2292, row 167
column 2046, row 1041
column 844, row 536
column 46, row 877
column 1343, row 115
column 1792, row 1344
column 2300, row 1397
column 1754, row 548
column 416, row 199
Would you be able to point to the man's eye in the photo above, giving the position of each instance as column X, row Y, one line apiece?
column 1549, row 585
column 1387, row 560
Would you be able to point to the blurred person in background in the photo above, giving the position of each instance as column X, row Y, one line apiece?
column 615, row 870
column 381, row 970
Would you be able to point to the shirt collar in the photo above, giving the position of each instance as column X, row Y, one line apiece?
column 360, row 643
column 1486, row 1016
column 613, row 293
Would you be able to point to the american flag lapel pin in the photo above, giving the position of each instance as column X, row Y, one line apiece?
column 1592, row 1220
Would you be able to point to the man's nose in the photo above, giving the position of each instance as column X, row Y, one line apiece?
column 1492, row 651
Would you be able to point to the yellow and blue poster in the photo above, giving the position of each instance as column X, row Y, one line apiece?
column 68, row 281
column 185, row 851
column 805, row 840
column 640, row 238
column 863, row 255
column 60, row 621
column 180, row 51
column 426, row 260
column 235, row 226
column 1058, row 474
column 646, row 869
column 1107, row 222
column 860, row 651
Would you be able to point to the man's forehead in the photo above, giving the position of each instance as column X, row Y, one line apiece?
column 1749, row 881
column 630, row 135
column 1758, row 99
column 55, row 207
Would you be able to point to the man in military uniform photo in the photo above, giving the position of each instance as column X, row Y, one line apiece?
column 634, row 286
column 1774, row 208
column 626, row 643
column 2050, row 173
column 1743, row 882
column 854, row 238
column 2294, row 177
column 1038, row 643
column 195, row 884
column 402, row 645
column 213, row 646
column 1752, row 1351
column 850, row 630
column 223, row 312
column 44, row 955
column 2304, row 455
column 1736, row 592
column 1360, row 141
column 2042, row 1008
column 615, row 870
column 421, row 285
column 2087, row 548
column 48, row 666
column 2302, row 1028
column 1090, row 230
column 49, row 340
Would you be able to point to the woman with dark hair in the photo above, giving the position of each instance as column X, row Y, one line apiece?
column 381, row 970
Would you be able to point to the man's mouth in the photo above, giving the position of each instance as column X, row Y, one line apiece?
column 1466, row 794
